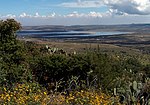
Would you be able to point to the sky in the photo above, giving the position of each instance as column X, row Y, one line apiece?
column 76, row 12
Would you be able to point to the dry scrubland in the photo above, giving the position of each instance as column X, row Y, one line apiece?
column 113, row 70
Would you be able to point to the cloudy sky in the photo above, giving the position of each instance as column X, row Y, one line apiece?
column 76, row 12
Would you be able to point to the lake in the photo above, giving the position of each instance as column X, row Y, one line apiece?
column 68, row 34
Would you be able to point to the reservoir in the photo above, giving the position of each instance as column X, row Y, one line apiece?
column 67, row 34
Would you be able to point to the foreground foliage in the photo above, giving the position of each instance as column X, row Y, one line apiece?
column 31, row 94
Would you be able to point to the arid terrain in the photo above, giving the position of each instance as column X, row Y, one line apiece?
column 135, row 43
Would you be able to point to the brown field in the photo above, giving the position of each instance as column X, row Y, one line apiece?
column 132, row 45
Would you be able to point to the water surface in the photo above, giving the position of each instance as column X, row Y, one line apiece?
column 68, row 34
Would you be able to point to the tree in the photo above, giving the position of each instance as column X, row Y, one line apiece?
column 8, row 42
column 10, row 52
column 8, row 29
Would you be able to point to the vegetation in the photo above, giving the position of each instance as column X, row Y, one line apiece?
column 10, row 53
column 36, row 74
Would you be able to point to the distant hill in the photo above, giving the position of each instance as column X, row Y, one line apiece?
column 142, row 28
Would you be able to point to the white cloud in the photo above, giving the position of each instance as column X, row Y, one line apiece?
column 75, row 14
column 120, row 7
column 24, row 15
column 37, row 15
column 52, row 15
column 113, row 12
column 92, row 14
column 140, row 7
column 83, row 4
column 95, row 14
column 9, row 16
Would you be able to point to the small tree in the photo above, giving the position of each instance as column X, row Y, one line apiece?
column 8, row 42
column 8, row 29
column 10, row 52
